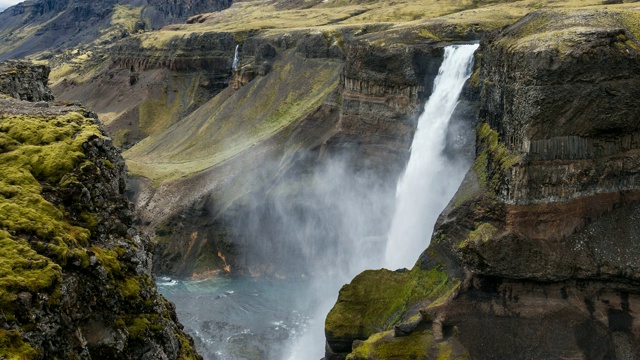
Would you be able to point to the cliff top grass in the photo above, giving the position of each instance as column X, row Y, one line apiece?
column 563, row 30
column 427, row 16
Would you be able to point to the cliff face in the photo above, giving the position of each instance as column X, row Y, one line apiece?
column 36, row 26
column 329, row 101
column 76, row 276
column 23, row 81
column 538, row 244
column 143, row 85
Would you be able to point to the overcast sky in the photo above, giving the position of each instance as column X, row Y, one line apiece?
column 6, row 3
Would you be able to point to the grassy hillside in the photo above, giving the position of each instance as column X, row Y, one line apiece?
column 235, row 121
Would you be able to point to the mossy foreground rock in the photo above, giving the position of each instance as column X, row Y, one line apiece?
column 75, row 280
column 541, row 240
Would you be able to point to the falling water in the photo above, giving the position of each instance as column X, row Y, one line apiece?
column 430, row 179
column 235, row 58
column 329, row 232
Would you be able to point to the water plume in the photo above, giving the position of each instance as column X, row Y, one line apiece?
column 431, row 178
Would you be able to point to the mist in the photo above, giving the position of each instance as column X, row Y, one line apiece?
column 323, row 216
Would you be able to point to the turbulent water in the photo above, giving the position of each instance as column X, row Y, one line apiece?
column 431, row 178
column 335, row 230
column 241, row 318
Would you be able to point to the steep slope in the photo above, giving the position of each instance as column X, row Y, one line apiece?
column 75, row 274
column 34, row 26
column 536, row 249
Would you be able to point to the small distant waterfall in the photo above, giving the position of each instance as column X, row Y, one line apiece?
column 430, row 180
column 235, row 58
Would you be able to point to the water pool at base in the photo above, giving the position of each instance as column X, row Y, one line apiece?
column 241, row 318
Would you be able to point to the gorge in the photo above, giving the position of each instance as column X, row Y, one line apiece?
column 268, row 145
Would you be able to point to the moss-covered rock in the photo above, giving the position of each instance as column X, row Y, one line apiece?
column 71, row 265
column 377, row 300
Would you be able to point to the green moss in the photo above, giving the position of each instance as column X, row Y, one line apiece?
column 130, row 288
column 37, row 151
column 137, row 326
column 379, row 299
column 384, row 346
column 49, row 147
column 90, row 219
column 187, row 350
column 109, row 259
column 493, row 160
column 12, row 347
column 23, row 269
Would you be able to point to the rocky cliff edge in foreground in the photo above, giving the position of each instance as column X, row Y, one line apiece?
column 537, row 254
column 75, row 279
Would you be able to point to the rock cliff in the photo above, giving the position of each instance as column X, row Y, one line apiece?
column 23, row 81
column 143, row 85
column 534, row 256
column 336, row 103
column 76, row 275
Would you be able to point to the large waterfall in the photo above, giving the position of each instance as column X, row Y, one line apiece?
column 430, row 180
column 336, row 230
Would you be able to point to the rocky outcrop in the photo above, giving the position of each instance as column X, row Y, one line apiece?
column 542, row 233
column 76, row 275
column 24, row 81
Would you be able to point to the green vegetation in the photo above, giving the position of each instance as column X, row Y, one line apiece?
column 23, row 269
column 384, row 346
column 36, row 151
column 493, row 160
column 378, row 299
column 13, row 348
column 38, row 239
column 233, row 122
column 562, row 30
column 483, row 232
column 417, row 345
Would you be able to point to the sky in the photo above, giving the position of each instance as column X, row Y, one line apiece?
column 6, row 3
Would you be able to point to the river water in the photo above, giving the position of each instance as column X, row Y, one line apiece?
column 241, row 318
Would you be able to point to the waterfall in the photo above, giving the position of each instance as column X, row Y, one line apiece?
column 430, row 179
column 235, row 58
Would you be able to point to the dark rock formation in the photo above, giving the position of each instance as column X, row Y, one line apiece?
column 76, row 275
column 24, row 81
column 541, row 241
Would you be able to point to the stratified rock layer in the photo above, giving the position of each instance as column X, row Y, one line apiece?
column 543, row 233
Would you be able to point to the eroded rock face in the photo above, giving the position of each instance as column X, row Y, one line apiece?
column 142, row 90
column 542, row 233
column 24, row 81
column 367, row 120
column 79, row 283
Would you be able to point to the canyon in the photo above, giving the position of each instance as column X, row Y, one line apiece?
column 286, row 166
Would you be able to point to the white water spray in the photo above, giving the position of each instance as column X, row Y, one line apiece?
column 430, row 180
column 235, row 58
